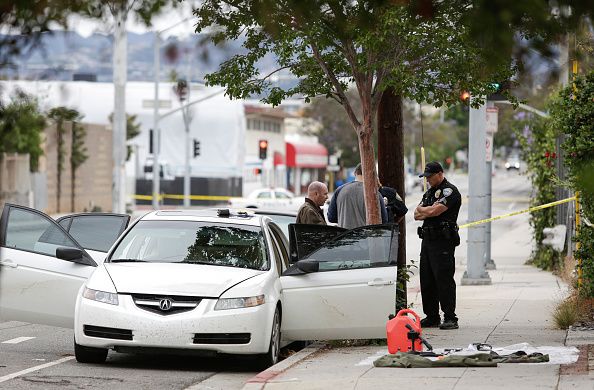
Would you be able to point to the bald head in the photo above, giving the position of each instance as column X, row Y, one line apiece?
column 317, row 192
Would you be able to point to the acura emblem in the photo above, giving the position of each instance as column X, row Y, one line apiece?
column 165, row 304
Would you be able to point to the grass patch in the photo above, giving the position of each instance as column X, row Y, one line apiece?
column 571, row 310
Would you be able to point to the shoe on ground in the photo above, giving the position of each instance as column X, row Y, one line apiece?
column 448, row 324
column 428, row 322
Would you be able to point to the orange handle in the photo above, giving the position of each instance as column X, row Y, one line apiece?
column 404, row 312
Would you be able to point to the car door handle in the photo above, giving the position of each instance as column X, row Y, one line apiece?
column 380, row 283
column 8, row 263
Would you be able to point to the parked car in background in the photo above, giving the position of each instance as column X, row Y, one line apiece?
column 267, row 198
column 201, row 281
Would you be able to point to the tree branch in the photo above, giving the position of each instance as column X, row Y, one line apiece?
column 341, row 95
column 253, row 81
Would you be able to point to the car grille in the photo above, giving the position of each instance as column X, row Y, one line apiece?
column 222, row 338
column 107, row 333
column 165, row 304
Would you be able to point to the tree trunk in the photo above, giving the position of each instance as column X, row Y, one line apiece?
column 367, row 154
column 390, row 151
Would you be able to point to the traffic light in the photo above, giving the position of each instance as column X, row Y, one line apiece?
column 181, row 90
column 263, row 145
column 499, row 90
column 465, row 96
column 196, row 148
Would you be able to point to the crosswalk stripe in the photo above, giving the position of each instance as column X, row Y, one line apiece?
column 32, row 369
column 17, row 340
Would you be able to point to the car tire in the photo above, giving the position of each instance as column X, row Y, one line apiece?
column 271, row 357
column 89, row 354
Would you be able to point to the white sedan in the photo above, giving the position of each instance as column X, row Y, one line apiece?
column 268, row 198
column 200, row 281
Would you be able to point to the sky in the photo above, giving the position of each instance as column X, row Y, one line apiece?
column 86, row 27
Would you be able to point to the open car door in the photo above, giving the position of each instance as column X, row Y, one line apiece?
column 95, row 232
column 344, row 289
column 305, row 238
column 42, row 267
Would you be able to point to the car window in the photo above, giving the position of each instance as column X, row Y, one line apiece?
column 96, row 232
column 282, row 248
column 30, row 231
column 264, row 195
column 277, row 255
column 364, row 247
column 282, row 221
column 281, row 195
column 229, row 245
column 65, row 223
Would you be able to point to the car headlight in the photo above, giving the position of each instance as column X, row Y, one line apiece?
column 238, row 303
column 101, row 296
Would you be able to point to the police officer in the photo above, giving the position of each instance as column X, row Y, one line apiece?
column 439, row 212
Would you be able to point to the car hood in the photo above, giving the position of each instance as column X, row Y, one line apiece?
column 176, row 279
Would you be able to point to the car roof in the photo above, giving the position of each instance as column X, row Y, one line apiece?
column 273, row 212
column 234, row 216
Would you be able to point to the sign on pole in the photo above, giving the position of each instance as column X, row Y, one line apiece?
column 491, row 129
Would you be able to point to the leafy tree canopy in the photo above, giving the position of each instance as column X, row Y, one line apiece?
column 25, row 20
column 21, row 125
column 330, row 44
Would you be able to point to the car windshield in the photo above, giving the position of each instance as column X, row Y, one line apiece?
column 229, row 245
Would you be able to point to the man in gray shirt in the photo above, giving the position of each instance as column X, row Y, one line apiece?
column 347, row 207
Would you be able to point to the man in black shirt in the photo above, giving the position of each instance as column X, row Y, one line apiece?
column 439, row 212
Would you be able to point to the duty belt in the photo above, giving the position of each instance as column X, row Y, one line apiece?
column 444, row 230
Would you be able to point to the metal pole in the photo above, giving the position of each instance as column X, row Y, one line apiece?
column 119, row 114
column 475, row 264
column 489, row 263
column 187, row 172
column 156, row 132
column 187, row 157
column 577, row 243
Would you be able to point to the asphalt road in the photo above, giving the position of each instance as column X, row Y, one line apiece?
column 41, row 357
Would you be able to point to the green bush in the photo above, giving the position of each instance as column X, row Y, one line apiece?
column 537, row 140
column 572, row 113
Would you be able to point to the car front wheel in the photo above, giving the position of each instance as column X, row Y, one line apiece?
column 89, row 354
column 271, row 357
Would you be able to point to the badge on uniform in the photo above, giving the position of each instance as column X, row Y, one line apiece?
column 447, row 191
column 437, row 193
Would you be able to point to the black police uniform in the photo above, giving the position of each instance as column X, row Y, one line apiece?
column 440, row 238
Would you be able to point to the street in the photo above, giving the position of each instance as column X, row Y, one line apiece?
column 27, row 347
column 47, row 352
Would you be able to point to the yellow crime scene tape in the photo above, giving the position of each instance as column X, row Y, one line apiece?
column 542, row 206
column 181, row 197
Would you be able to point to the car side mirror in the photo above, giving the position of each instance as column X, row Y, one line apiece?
column 75, row 255
column 308, row 265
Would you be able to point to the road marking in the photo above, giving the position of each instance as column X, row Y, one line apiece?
column 32, row 369
column 17, row 340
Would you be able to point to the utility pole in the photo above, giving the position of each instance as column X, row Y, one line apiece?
column 477, row 188
column 156, row 131
column 490, row 134
column 120, row 67
column 189, row 143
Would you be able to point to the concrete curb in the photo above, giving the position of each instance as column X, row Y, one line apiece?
column 259, row 381
column 578, row 336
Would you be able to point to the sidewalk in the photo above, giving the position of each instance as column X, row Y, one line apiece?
column 515, row 308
